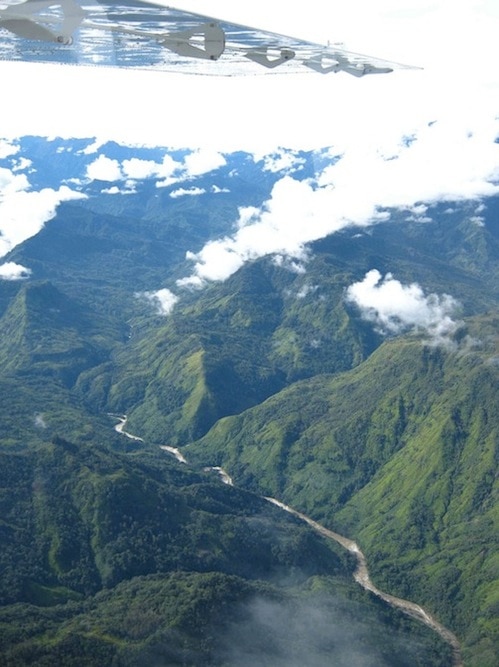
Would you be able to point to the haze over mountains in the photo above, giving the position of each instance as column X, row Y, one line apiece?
column 353, row 375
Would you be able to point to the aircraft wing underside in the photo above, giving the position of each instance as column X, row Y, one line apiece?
column 131, row 33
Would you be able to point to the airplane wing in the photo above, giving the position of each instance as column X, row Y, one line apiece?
column 136, row 34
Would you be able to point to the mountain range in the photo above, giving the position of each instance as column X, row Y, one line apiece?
column 356, row 381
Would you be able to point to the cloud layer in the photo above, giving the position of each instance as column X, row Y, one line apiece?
column 24, row 210
column 403, row 139
column 439, row 162
column 125, row 175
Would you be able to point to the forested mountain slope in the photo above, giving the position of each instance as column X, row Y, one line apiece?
column 400, row 454
column 124, row 559
column 386, row 430
column 236, row 343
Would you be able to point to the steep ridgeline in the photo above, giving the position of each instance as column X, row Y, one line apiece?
column 230, row 349
column 400, row 454
column 132, row 559
column 231, row 345
column 47, row 339
column 234, row 344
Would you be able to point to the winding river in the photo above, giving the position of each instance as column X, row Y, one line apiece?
column 361, row 574
column 120, row 427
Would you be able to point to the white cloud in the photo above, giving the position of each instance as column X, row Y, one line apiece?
column 183, row 192
column 74, row 181
column 282, row 160
column 113, row 190
column 203, row 161
column 39, row 421
column 129, row 188
column 394, row 308
column 195, row 163
column 448, row 161
column 295, row 214
column 141, row 169
column 266, row 112
column 216, row 261
column 305, row 290
column 7, row 148
column 191, row 282
column 163, row 300
column 11, row 183
column 404, row 138
column 442, row 163
column 21, row 164
column 291, row 264
column 478, row 220
column 104, row 169
column 13, row 271
column 93, row 147
column 167, row 182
